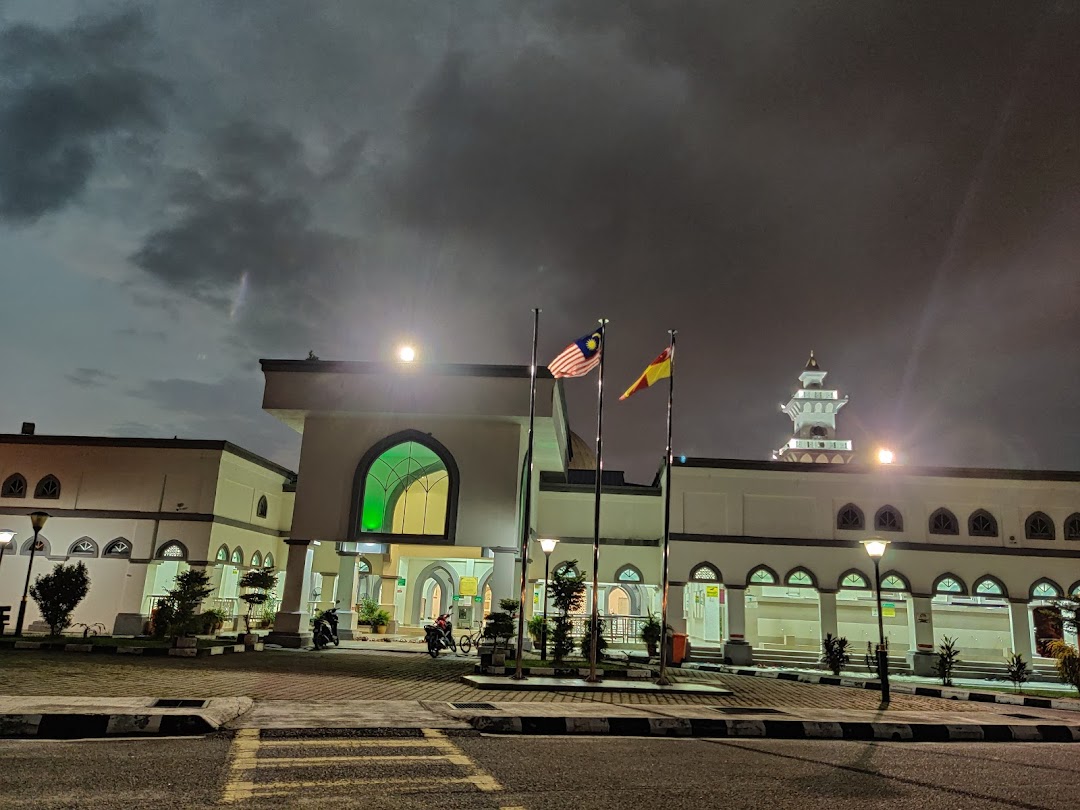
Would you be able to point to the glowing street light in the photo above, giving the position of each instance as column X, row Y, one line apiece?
column 875, row 547
column 547, row 545
column 6, row 537
column 406, row 354
column 885, row 456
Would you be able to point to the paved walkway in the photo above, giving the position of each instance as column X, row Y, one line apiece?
column 361, row 675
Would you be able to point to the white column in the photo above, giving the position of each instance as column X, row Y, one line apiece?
column 502, row 577
column 291, row 625
column 329, row 585
column 346, row 594
column 827, row 614
column 921, row 657
column 736, row 650
column 1020, row 616
column 130, row 618
column 676, row 609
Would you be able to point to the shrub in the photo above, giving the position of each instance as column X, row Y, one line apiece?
column 500, row 626
column 380, row 618
column 834, row 653
column 511, row 606
column 1018, row 670
column 651, row 633
column 176, row 614
column 536, row 628
column 1067, row 660
column 947, row 658
column 567, row 595
column 262, row 580
column 58, row 594
column 368, row 609
column 211, row 621
column 586, row 640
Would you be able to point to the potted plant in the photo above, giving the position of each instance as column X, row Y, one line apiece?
column 536, row 629
column 366, row 610
column 650, row 634
column 834, row 653
column 259, row 581
column 269, row 613
column 379, row 621
column 212, row 621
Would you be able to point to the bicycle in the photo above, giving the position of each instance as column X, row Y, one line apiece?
column 466, row 641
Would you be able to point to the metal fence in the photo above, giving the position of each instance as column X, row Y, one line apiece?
column 617, row 629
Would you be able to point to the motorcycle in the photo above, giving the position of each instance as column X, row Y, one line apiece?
column 440, row 636
column 325, row 632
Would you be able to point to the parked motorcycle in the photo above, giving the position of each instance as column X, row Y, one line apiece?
column 325, row 632
column 440, row 636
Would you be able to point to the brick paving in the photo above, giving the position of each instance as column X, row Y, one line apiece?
column 341, row 675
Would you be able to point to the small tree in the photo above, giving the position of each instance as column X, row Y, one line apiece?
column 1018, row 671
column 834, row 653
column 263, row 580
column 586, row 640
column 567, row 595
column 947, row 658
column 1067, row 660
column 650, row 634
column 57, row 594
column 177, row 613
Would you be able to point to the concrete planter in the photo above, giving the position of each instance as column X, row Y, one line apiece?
column 186, row 642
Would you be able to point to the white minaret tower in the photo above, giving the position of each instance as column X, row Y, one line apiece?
column 813, row 410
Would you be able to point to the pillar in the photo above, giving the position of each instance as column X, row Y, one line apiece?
column 827, row 614
column 1020, row 618
column 921, row 657
column 736, row 650
column 130, row 619
column 291, row 625
column 346, row 594
column 676, row 607
column 502, row 577
column 391, row 598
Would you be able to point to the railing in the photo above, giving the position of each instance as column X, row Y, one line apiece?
column 227, row 604
column 617, row 629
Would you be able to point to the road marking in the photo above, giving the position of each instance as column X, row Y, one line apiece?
column 243, row 760
column 297, row 762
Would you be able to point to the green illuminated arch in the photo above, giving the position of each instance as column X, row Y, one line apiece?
column 406, row 486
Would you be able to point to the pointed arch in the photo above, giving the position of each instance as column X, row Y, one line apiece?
column 895, row 581
column 448, row 581
column 888, row 519
column 256, row 560
column 982, row 524
column 950, row 584
column 850, row 518
column 705, row 572
column 1039, row 526
column 222, row 554
column 83, row 547
column 262, row 507
column 120, row 547
column 173, row 550
column 800, row 577
column 566, row 568
column 854, row 580
column 384, row 479
column 1045, row 588
column 268, row 560
column 237, row 556
column 14, row 486
column 989, row 585
column 1072, row 526
column 1074, row 590
column 943, row 521
column 762, row 575
column 48, row 488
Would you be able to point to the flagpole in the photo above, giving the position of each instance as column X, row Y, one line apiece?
column 527, row 507
column 663, row 679
column 596, row 509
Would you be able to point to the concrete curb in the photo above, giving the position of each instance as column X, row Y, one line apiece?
column 945, row 692
column 776, row 729
column 569, row 672
column 82, row 726
column 117, row 649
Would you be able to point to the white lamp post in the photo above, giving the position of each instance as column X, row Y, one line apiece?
column 547, row 545
column 875, row 547
column 6, row 538
column 37, row 520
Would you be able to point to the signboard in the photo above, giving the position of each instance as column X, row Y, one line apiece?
column 888, row 610
column 478, row 599
column 468, row 586
column 457, row 597
column 401, row 582
column 712, row 591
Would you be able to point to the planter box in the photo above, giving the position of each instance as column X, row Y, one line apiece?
column 186, row 643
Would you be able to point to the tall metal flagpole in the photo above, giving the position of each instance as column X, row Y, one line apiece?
column 596, row 509
column 663, row 679
column 527, row 506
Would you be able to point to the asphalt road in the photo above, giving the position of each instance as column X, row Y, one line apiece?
column 534, row 773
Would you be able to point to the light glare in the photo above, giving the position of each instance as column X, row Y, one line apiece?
column 876, row 547
column 406, row 354
column 885, row 456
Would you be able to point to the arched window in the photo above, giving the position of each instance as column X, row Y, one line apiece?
column 406, row 485
column 990, row 586
column 893, row 581
column 268, row 560
column 48, row 488
column 982, row 524
column 800, row 578
column 363, row 567
column 1074, row 590
column 628, row 573
column 762, row 575
column 237, row 557
column 1045, row 589
column 1039, row 527
column 118, row 548
column 256, row 560
column 888, row 519
column 703, row 572
column 855, row 581
column 260, row 509
column 14, row 487
column 83, row 547
column 818, row 432
column 942, row 521
column 949, row 584
column 850, row 518
column 566, row 569
column 1072, row 526
column 173, row 550
column 43, row 545
column 222, row 554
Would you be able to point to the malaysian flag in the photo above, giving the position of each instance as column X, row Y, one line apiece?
column 579, row 358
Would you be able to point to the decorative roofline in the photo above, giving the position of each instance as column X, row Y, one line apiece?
column 381, row 367
column 890, row 470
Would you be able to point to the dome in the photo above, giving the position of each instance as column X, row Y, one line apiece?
column 582, row 456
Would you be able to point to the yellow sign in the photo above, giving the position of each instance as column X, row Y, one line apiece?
column 712, row 591
column 888, row 611
column 468, row 586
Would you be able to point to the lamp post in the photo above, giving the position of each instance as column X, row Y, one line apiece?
column 6, row 537
column 547, row 545
column 37, row 520
column 875, row 547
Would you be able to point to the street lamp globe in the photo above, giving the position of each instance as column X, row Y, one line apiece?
column 406, row 354
column 37, row 520
column 875, row 547
column 885, row 456
column 6, row 536
column 547, row 544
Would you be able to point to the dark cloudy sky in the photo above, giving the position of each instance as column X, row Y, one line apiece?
column 188, row 186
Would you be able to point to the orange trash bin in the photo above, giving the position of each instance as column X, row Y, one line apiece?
column 678, row 648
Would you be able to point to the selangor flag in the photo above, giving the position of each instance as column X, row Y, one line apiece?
column 579, row 358
column 657, row 370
